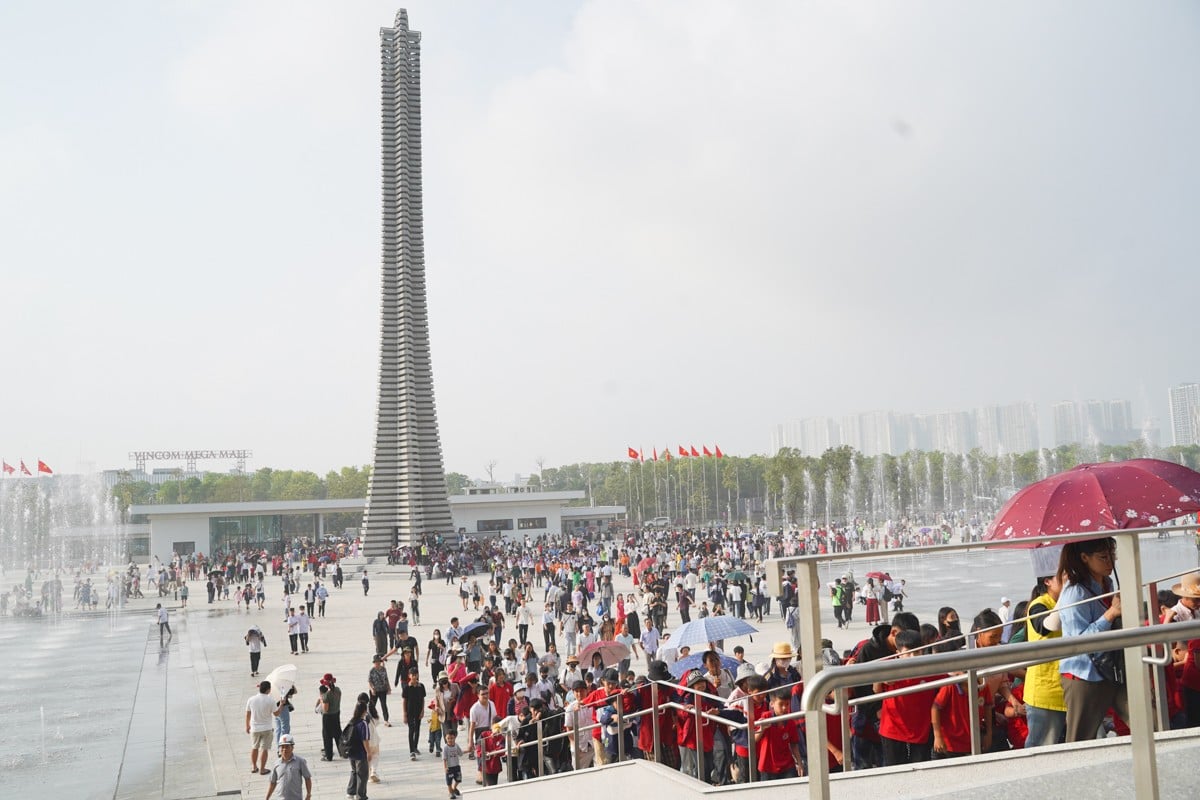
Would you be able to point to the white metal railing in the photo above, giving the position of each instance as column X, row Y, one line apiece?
column 1141, row 721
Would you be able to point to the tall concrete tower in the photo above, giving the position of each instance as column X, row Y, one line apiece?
column 406, row 496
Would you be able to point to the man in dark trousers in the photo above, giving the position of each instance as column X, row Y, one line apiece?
column 330, row 704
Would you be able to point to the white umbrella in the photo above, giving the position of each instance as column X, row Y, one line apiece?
column 282, row 679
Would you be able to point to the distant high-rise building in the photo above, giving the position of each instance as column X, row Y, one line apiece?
column 818, row 434
column 1066, row 423
column 1007, row 429
column 406, row 495
column 1094, row 422
column 1184, row 401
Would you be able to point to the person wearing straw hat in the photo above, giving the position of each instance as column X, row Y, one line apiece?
column 1188, row 657
column 781, row 672
column 1188, row 592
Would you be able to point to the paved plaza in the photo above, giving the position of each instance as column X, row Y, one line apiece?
column 97, row 708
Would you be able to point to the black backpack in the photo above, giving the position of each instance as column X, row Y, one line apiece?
column 348, row 739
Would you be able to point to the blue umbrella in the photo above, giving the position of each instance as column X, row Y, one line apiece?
column 696, row 661
column 699, row 632
column 474, row 629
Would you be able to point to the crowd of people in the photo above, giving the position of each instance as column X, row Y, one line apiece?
column 509, row 667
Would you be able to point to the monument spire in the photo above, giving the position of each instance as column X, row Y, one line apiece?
column 406, row 495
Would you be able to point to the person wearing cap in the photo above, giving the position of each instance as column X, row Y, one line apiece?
column 722, row 681
column 1045, row 707
column 571, row 672
column 260, row 725
column 577, row 717
column 1005, row 612
column 609, row 685
column 290, row 773
column 751, row 699
column 686, row 723
column 330, row 705
column 446, row 697
column 667, row 737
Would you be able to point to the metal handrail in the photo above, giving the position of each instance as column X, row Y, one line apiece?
column 970, row 660
column 1138, row 682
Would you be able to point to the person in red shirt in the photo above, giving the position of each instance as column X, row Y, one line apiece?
column 610, row 684
column 667, row 741
column 491, row 749
column 686, row 723
column 778, row 743
column 951, row 721
column 1018, row 723
column 905, row 720
column 757, row 706
column 500, row 692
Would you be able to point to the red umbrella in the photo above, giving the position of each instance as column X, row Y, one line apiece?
column 1099, row 497
column 879, row 576
column 646, row 563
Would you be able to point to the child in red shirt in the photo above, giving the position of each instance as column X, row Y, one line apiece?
column 778, row 743
column 951, row 721
column 904, row 722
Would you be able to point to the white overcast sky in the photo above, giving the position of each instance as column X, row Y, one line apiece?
column 646, row 222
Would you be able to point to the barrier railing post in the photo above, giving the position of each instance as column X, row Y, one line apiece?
column 808, row 618
column 1137, row 684
column 620, row 728
column 541, row 751
column 700, row 773
column 842, row 697
column 512, row 757
column 575, row 737
column 973, row 711
column 654, row 722
column 751, row 745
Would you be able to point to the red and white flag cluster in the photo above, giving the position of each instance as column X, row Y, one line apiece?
column 9, row 469
column 638, row 454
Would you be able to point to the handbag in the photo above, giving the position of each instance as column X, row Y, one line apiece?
column 1110, row 663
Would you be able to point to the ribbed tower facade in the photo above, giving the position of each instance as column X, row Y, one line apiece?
column 406, row 497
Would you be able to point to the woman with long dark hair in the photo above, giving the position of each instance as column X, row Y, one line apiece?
column 1086, row 569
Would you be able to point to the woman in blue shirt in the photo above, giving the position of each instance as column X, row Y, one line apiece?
column 1087, row 569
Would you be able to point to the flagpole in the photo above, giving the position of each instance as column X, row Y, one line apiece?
column 629, row 491
column 654, row 478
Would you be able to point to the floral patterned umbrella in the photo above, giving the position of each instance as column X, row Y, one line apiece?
column 1098, row 497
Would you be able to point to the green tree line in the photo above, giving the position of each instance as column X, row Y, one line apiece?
column 787, row 487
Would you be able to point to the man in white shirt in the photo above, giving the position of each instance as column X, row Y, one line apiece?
column 260, row 725
column 1005, row 614
column 578, row 717
column 480, row 719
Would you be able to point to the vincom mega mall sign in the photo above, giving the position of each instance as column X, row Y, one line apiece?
column 140, row 457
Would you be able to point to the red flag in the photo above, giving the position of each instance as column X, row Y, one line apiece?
column 667, row 451
column 656, row 454
column 9, row 469
column 706, row 452
column 694, row 453
column 718, row 449
column 683, row 451
column 25, row 469
column 632, row 453
column 641, row 455
column 43, row 468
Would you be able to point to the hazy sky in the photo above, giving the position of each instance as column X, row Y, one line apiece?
column 646, row 223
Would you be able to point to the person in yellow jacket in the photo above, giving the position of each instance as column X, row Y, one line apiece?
column 1046, row 711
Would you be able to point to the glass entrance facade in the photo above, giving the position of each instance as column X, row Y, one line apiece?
column 230, row 534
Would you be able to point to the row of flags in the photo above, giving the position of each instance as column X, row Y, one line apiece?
column 684, row 452
column 9, row 469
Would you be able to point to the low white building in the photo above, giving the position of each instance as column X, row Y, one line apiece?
column 211, row 527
